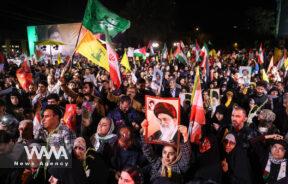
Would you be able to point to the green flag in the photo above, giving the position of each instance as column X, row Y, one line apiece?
column 97, row 18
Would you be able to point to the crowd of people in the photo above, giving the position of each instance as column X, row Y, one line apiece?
column 243, row 141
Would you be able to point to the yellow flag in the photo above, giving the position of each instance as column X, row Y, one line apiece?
column 124, row 62
column 92, row 49
column 59, row 59
column 277, row 54
column 286, row 64
column 264, row 75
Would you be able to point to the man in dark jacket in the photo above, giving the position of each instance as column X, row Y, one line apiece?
column 125, row 114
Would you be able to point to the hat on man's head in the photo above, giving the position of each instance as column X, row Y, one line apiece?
column 165, row 108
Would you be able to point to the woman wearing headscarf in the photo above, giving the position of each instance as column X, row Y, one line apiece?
column 130, row 175
column 123, row 153
column 263, row 126
column 220, row 122
column 235, row 163
column 273, row 159
column 171, row 164
column 91, row 162
column 104, row 134
column 206, row 166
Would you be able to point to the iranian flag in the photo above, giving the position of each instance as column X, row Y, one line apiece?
column 140, row 52
column 113, row 66
column 204, row 56
column 260, row 55
column 197, row 115
column 196, row 51
column 204, row 63
column 179, row 54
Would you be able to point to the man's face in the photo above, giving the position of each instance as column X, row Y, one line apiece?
column 50, row 120
column 274, row 93
column 42, row 88
column 278, row 151
column 131, row 92
column 238, row 119
column 31, row 88
column 50, row 79
column 167, row 125
column 87, row 72
column 86, row 89
column 260, row 90
column 245, row 73
column 172, row 84
column 168, row 155
column 52, row 101
column 124, row 106
column 103, row 127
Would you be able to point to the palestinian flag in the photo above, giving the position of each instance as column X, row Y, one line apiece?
column 178, row 54
column 140, row 52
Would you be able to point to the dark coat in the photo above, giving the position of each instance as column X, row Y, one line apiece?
column 239, row 169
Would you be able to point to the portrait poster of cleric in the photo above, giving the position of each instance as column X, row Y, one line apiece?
column 163, row 116
column 245, row 75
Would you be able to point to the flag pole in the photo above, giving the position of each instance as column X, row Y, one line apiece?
column 76, row 43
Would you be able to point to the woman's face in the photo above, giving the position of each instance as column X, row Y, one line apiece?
column 168, row 155
column 219, row 116
column 125, row 178
column 14, row 100
column 228, row 146
column 278, row 151
column 103, row 127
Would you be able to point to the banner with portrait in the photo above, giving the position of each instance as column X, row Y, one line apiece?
column 163, row 116
column 245, row 73
column 157, row 79
column 62, row 33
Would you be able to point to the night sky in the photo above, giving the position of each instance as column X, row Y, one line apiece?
column 215, row 17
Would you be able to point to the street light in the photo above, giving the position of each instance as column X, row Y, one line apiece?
column 175, row 44
column 155, row 45
column 197, row 28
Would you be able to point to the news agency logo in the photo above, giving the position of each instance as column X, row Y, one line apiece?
column 42, row 156
column 43, row 152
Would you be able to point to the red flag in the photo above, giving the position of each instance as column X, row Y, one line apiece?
column 69, row 117
column 260, row 55
column 24, row 75
column 113, row 66
column 197, row 116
